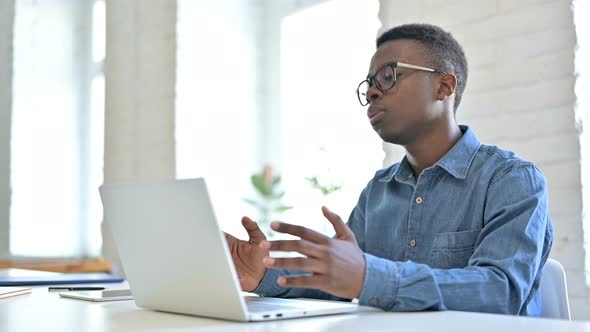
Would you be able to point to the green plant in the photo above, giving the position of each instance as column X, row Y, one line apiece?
column 315, row 182
column 325, row 189
column 269, row 201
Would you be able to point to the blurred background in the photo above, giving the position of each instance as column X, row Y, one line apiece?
column 102, row 91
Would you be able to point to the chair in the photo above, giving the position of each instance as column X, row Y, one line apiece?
column 554, row 302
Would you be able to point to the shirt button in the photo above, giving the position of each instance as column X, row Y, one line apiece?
column 373, row 301
column 419, row 200
column 413, row 243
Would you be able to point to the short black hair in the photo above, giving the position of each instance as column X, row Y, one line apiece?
column 445, row 52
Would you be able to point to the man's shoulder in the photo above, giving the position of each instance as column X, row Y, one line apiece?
column 502, row 160
column 498, row 154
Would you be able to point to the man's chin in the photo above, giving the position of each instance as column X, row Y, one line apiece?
column 390, row 137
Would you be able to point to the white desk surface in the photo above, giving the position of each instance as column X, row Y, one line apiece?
column 45, row 311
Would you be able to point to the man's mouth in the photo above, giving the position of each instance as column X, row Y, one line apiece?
column 375, row 115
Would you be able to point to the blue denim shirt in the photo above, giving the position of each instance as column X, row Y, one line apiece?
column 472, row 234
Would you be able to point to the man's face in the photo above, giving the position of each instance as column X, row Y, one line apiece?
column 408, row 110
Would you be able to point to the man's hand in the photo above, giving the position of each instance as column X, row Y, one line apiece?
column 337, row 265
column 247, row 255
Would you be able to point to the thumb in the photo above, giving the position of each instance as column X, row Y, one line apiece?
column 254, row 232
column 342, row 230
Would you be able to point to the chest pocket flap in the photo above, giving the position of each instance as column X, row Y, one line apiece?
column 456, row 241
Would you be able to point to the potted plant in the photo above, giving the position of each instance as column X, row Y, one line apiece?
column 269, row 200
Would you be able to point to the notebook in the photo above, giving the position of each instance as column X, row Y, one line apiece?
column 176, row 258
column 22, row 277
column 13, row 291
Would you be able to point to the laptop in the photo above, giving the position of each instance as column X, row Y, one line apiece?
column 176, row 257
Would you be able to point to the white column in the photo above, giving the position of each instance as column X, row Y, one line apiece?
column 6, row 50
column 140, row 76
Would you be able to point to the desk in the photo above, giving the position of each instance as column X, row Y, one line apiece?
column 44, row 311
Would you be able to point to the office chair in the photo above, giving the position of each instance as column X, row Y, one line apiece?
column 553, row 288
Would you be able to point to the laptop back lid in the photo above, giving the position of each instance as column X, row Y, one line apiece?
column 172, row 249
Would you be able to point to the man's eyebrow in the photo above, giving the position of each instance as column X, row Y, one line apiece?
column 376, row 69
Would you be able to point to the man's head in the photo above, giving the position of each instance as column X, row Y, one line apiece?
column 424, row 95
column 442, row 51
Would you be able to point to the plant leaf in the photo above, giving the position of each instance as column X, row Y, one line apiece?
column 313, row 181
column 283, row 208
column 324, row 189
column 276, row 180
column 277, row 196
column 253, row 203
column 260, row 186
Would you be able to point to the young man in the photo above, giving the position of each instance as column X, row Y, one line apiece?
column 455, row 225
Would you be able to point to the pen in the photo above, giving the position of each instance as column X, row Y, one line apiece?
column 74, row 288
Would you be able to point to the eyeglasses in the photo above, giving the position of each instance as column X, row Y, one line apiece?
column 385, row 78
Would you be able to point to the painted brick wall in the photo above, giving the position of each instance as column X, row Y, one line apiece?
column 520, row 95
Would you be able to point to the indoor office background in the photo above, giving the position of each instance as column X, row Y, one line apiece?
column 93, row 92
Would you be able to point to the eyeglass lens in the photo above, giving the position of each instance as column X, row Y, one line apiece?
column 384, row 79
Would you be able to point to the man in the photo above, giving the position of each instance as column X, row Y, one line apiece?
column 455, row 225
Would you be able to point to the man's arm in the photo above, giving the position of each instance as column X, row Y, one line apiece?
column 333, row 265
column 269, row 287
column 509, row 253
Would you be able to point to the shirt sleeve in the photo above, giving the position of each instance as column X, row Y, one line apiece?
column 269, row 287
column 502, row 272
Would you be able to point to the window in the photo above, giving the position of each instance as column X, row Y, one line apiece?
column 325, row 131
column 230, row 122
column 216, row 122
column 56, row 141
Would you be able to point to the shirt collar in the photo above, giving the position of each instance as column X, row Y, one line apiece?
column 456, row 161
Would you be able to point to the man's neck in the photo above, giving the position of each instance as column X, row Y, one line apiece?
column 427, row 150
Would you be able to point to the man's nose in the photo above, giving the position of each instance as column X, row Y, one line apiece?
column 373, row 93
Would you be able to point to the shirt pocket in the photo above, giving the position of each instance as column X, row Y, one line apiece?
column 453, row 249
column 455, row 241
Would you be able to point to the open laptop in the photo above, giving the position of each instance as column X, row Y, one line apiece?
column 176, row 257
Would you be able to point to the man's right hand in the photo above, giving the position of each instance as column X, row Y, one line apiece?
column 247, row 255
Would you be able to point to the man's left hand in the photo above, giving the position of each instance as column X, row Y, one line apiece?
column 337, row 265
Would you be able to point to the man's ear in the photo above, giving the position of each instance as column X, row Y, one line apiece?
column 448, row 84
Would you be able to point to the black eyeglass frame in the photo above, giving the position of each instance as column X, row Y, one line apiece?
column 393, row 65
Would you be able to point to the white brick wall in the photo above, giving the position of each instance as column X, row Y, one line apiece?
column 140, row 89
column 520, row 95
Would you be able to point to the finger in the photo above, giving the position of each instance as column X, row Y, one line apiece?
column 254, row 232
column 229, row 238
column 295, row 263
column 300, row 231
column 312, row 281
column 342, row 230
column 304, row 247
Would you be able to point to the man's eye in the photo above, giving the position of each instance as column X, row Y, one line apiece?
column 388, row 78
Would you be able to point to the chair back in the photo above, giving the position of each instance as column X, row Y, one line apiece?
column 553, row 288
